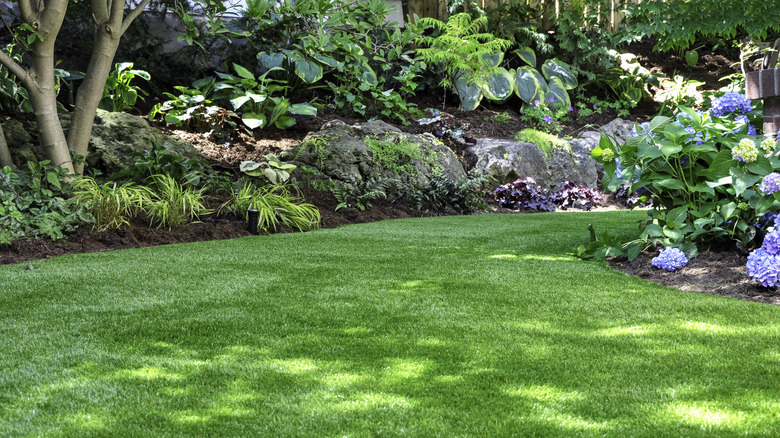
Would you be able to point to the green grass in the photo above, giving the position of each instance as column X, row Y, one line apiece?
column 454, row 326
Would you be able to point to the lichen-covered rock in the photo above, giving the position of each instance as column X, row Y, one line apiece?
column 116, row 135
column 374, row 149
column 21, row 144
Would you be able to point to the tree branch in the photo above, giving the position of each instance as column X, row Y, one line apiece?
column 99, row 11
column 133, row 15
column 18, row 71
column 25, row 7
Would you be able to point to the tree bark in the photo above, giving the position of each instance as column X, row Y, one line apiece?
column 5, row 154
column 47, row 20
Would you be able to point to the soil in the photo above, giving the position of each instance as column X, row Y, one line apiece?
column 712, row 272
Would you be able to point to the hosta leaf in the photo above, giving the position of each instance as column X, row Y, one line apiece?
column 327, row 60
column 254, row 120
column 527, row 55
column 303, row 109
column 251, row 168
column 499, row 85
column 239, row 101
column 529, row 84
column 558, row 92
column 244, row 73
column 308, row 70
column 368, row 74
column 470, row 93
column 284, row 122
column 270, row 60
column 493, row 59
column 553, row 68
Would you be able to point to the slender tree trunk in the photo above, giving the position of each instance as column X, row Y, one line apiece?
column 5, row 154
column 41, row 84
column 90, row 92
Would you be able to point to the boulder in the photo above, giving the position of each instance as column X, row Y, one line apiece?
column 507, row 160
column 344, row 152
column 116, row 135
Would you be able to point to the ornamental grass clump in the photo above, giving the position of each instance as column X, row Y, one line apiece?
column 670, row 259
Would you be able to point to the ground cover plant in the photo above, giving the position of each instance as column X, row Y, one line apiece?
column 481, row 325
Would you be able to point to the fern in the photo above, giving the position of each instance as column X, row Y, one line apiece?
column 461, row 48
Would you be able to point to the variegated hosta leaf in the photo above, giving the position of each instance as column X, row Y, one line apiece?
column 557, row 92
column 470, row 93
column 554, row 68
column 308, row 70
column 499, row 85
column 530, row 85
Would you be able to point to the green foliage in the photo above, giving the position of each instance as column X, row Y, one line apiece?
column 36, row 203
column 118, row 94
column 677, row 23
column 174, row 204
column 110, row 203
column 594, row 105
column 628, row 83
column 545, row 116
column 277, row 205
column 445, row 195
column 275, row 170
column 700, row 192
column 467, row 57
column 159, row 160
column 678, row 92
column 546, row 142
column 194, row 108
column 13, row 96
column 254, row 97
column 581, row 37
column 360, row 194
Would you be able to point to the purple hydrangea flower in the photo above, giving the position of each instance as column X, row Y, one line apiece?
column 729, row 103
column 763, row 267
column 772, row 243
column 752, row 130
column 670, row 259
column 778, row 136
column 770, row 184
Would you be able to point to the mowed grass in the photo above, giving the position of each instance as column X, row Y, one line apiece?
column 480, row 325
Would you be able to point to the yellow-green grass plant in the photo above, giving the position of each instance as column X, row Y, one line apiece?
column 483, row 325
column 276, row 204
column 174, row 204
column 111, row 203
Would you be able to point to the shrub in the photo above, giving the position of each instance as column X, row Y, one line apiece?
column 36, row 203
column 523, row 193
column 172, row 204
column 701, row 170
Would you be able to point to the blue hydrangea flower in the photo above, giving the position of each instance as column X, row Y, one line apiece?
column 730, row 103
column 763, row 267
column 770, row 184
column 670, row 259
column 644, row 127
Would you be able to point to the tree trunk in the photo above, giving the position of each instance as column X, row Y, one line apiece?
column 40, row 88
column 5, row 154
column 90, row 92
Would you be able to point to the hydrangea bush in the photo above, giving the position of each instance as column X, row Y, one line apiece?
column 763, row 264
column 708, row 177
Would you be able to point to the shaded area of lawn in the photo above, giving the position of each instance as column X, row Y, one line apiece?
column 480, row 325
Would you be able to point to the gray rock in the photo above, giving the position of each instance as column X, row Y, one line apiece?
column 116, row 135
column 341, row 152
column 507, row 160
column 20, row 143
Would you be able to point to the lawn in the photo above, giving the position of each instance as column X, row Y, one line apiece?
column 480, row 325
